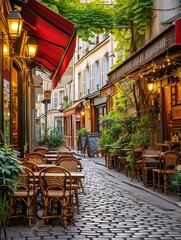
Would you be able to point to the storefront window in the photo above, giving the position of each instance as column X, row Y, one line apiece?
column 6, row 93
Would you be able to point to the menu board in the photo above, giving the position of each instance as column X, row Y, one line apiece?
column 92, row 140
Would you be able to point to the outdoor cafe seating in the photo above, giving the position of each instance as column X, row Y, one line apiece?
column 57, row 197
column 23, row 201
column 150, row 158
column 73, row 165
column 166, row 165
column 52, row 186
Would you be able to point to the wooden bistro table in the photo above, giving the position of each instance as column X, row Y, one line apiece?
column 74, row 175
column 51, row 157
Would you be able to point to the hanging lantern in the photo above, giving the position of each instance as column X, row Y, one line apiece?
column 15, row 23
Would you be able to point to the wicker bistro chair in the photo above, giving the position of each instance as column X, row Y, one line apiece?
column 35, row 159
column 38, row 154
column 136, row 170
column 31, row 165
column 41, row 149
column 149, row 163
column 73, row 165
column 167, row 163
column 23, row 201
column 57, row 198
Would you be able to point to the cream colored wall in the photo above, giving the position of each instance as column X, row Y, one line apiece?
column 162, row 11
column 97, row 53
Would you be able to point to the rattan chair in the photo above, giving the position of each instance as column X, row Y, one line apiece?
column 57, row 197
column 38, row 154
column 73, row 165
column 41, row 149
column 136, row 171
column 167, row 163
column 149, row 163
column 35, row 159
column 23, row 201
column 31, row 165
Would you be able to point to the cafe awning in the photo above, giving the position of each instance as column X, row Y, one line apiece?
column 56, row 38
column 72, row 110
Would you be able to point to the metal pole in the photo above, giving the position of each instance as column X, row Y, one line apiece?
column 46, row 105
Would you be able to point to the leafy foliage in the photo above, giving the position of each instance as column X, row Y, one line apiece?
column 52, row 139
column 99, row 17
column 10, row 168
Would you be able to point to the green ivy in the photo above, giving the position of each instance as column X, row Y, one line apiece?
column 98, row 17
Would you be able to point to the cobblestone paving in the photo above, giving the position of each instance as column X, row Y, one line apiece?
column 108, row 212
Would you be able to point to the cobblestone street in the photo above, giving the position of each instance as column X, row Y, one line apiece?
column 110, row 210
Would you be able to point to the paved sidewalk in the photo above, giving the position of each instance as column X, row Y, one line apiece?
column 112, row 209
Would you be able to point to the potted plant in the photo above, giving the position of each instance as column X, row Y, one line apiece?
column 176, row 181
column 82, row 138
column 10, row 168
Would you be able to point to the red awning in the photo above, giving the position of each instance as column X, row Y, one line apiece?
column 55, row 35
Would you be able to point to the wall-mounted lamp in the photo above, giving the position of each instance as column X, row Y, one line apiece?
column 32, row 46
column 150, row 85
column 15, row 23
column 82, row 112
column 5, row 49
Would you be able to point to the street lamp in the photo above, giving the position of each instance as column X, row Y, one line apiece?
column 15, row 23
column 32, row 46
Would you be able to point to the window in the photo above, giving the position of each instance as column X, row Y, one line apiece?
column 87, row 80
column 96, row 75
column 105, row 68
column 55, row 100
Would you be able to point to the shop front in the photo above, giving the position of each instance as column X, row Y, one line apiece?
column 156, row 67
column 74, row 120
column 47, row 30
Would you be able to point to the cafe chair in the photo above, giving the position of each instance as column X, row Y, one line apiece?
column 31, row 165
column 167, row 163
column 37, row 154
column 41, row 149
column 57, row 194
column 34, row 158
column 149, row 163
column 73, row 165
column 23, row 200
column 136, row 169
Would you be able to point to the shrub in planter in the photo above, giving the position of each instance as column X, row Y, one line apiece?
column 52, row 139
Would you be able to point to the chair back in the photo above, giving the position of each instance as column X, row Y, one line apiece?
column 169, row 160
column 35, row 159
column 54, row 178
column 64, row 156
column 31, row 166
column 71, row 165
column 26, row 181
column 43, row 150
column 37, row 154
column 137, row 153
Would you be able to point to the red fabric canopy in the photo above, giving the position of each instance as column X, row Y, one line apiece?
column 55, row 35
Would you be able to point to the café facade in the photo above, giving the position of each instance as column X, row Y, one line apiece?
column 53, row 39
column 157, row 65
